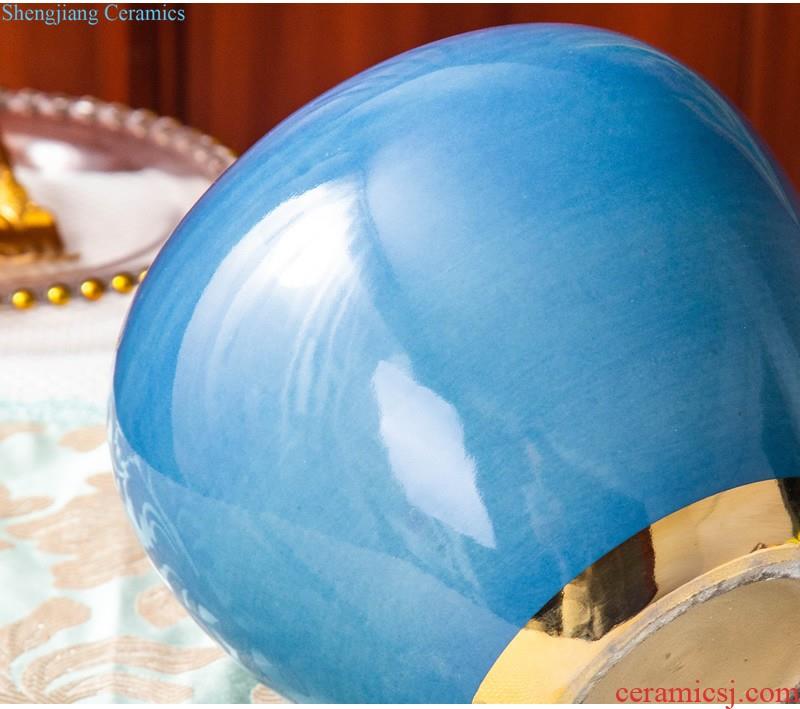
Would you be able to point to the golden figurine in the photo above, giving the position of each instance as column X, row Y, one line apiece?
column 27, row 231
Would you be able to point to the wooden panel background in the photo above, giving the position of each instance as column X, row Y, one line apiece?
column 237, row 70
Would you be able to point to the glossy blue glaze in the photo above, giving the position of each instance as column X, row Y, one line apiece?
column 444, row 338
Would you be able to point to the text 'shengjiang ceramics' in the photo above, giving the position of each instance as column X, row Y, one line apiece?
column 445, row 338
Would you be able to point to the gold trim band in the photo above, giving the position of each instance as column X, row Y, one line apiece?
column 579, row 626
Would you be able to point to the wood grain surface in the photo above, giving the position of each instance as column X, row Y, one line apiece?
column 238, row 70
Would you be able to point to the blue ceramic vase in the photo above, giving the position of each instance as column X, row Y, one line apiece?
column 441, row 340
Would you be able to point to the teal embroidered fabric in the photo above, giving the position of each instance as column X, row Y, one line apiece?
column 84, row 616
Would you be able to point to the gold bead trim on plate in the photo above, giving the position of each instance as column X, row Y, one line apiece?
column 90, row 289
column 210, row 156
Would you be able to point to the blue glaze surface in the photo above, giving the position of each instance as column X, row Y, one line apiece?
column 444, row 338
